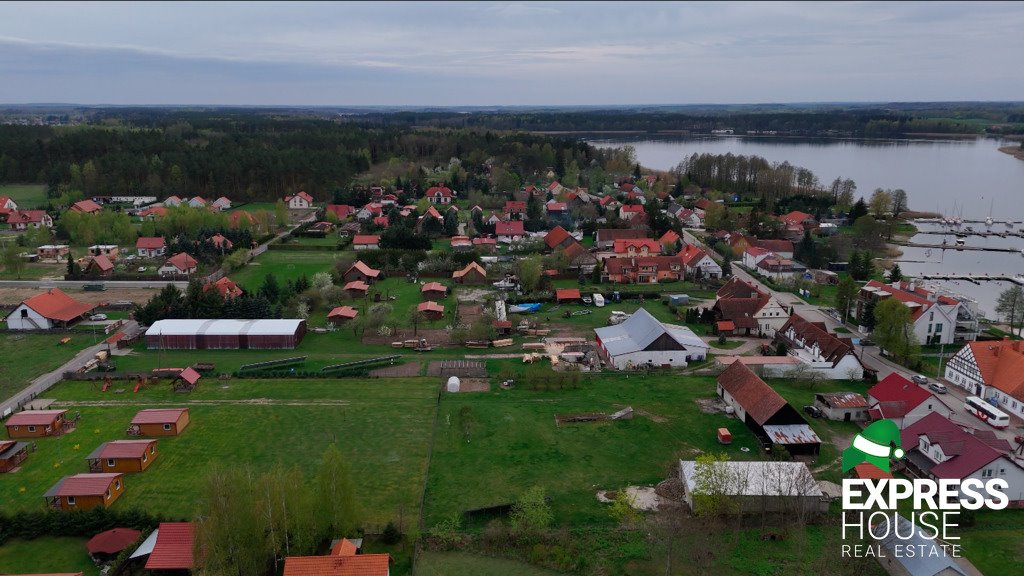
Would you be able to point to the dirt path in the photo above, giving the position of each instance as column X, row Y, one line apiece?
column 240, row 402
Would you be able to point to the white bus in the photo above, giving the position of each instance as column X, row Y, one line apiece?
column 986, row 412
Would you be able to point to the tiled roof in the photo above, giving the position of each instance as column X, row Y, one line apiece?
column 86, row 206
column 366, row 239
column 359, row 565
column 173, row 549
column 33, row 417
column 966, row 452
column 510, row 228
column 443, row 190
column 429, row 306
column 182, row 261
column 121, row 449
column 612, row 234
column 1001, row 365
column 150, row 242
column 433, row 287
column 158, row 415
column 357, row 285
column 363, row 269
column 622, row 246
column 102, row 262
column 775, row 245
column 758, row 399
column 472, row 266
column 897, row 395
column 56, row 305
column 555, row 237
column 82, row 485
column 740, row 310
column 737, row 288
column 343, row 312
column 832, row 348
column 661, row 263
column 567, row 294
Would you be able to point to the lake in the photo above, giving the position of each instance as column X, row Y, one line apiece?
column 937, row 174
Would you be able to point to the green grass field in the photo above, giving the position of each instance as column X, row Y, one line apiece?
column 36, row 270
column 462, row 564
column 382, row 425
column 29, row 355
column 284, row 265
column 46, row 555
column 27, row 196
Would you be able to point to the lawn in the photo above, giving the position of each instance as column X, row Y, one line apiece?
column 462, row 564
column 328, row 241
column 383, row 426
column 690, row 288
column 46, row 555
column 36, row 270
column 26, row 196
column 30, row 355
column 284, row 265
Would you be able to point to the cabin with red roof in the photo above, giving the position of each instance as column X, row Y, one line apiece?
column 485, row 245
column 991, row 370
column 356, row 288
column 181, row 264
column 299, row 201
column 365, row 242
column 12, row 454
column 151, row 246
column 159, row 422
column 473, row 273
column 47, row 311
column 85, row 491
column 86, row 207
column 431, row 310
column 564, row 295
column 361, row 272
column 37, row 424
column 434, row 291
column 902, row 401
column 440, row 194
column 122, row 456
column 99, row 266
column 341, row 315
column 173, row 549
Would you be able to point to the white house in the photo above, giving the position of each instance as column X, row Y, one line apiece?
column 222, row 203
column 440, row 194
column 365, row 242
column 181, row 264
column 937, row 319
column 643, row 341
column 698, row 264
column 828, row 355
column 172, row 202
column 299, row 201
column 47, row 310
column 197, row 202
column 991, row 370
column 902, row 401
column 7, row 203
column 151, row 246
column 753, row 255
column 25, row 219
column 939, row 448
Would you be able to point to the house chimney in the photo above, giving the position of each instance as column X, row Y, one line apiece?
column 912, row 286
column 896, row 284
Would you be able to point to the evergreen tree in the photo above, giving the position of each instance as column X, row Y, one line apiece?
column 726, row 268
column 270, row 289
column 860, row 208
column 895, row 274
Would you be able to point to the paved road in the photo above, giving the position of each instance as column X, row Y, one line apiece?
column 80, row 283
column 44, row 382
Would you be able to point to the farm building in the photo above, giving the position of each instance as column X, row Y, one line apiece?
column 85, row 491
column 356, row 288
column 563, row 295
column 431, row 310
column 772, row 486
column 342, row 314
column 123, row 456
column 46, row 311
column 848, row 406
column 473, row 273
column 200, row 334
column 361, row 272
column 644, row 341
column 433, row 291
column 765, row 412
column 172, row 548
column 36, row 424
column 159, row 422
column 12, row 454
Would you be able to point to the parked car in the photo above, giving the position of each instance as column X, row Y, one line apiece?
column 98, row 317
column 867, row 342
column 814, row 411
column 918, row 379
column 142, row 268
column 937, row 388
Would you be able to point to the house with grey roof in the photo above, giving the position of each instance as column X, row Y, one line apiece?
column 644, row 341
column 929, row 557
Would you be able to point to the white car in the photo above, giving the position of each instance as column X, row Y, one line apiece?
column 98, row 317
column 142, row 269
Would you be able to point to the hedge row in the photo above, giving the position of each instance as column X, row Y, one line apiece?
column 30, row 525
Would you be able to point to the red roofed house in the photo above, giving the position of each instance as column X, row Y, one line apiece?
column 461, row 244
column 173, row 548
column 604, row 238
column 637, row 247
column 123, row 456
column 783, row 248
column 753, row 255
column 568, row 295
column 86, row 207
column 222, row 203
column 85, row 491
column 46, row 311
column 299, row 201
column 699, row 264
column 36, row 424
column 341, row 211
column 938, row 448
column 557, row 208
column 473, row 273
column 432, row 310
column 362, row 272
column 748, row 309
column 902, row 401
column 151, row 246
column 356, row 288
column 344, row 563
column 991, row 370
column 827, row 354
column 159, row 422
column 557, row 237
column 365, row 242
column 509, row 231
column 671, row 239
column 25, row 219
column 516, row 209
column 643, row 269
column 485, row 245
column 225, row 286
column 937, row 319
column 440, row 194
column 12, row 454
column 220, row 242
column 172, row 201
column 381, row 221
column 433, row 291
column 197, row 202
column 342, row 314
column 181, row 264
column 629, row 211
column 764, row 411
column 8, row 203
column 99, row 266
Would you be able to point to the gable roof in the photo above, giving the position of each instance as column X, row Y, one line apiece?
column 150, row 242
column 669, row 236
column 226, row 287
column 182, row 261
column 56, row 305
column 82, row 485
column 738, row 288
column 363, row 269
column 343, row 312
column 429, row 306
column 775, row 245
column 510, row 228
column 795, row 217
column 640, row 330
column 441, row 190
column 740, row 311
column 556, row 236
column 158, row 415
column 356, row 285
column 87, row 206
column 618, row 265
column 623, row 245
column 434, row 287
column 917, row 299
column 25, row 216
column 173, row 549
column 366, row 239
column 101, row 262
column 33, row 417
column 759, row 400
column 357, row 565
column 471, row 267
column 342, row 211
column 966, row 452
column 692, row 255
column 613, row 234
column 1001, row 365
column 120, row 449
column 897, row 396
column 832, row 348
column 302, row 195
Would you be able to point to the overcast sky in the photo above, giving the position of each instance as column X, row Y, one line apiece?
column 514, row 53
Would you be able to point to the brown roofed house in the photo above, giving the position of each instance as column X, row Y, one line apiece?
column 362, row 272
column 431, row 310
column 473, row 273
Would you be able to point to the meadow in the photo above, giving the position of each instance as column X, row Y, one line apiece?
column 30, row 355
column 26, row 196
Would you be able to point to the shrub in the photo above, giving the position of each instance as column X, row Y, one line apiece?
column 391, row 534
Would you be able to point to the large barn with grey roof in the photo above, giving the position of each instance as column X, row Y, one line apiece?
column 642, row 340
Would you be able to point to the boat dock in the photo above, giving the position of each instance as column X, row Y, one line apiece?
column 948, row 246
column 974, row 278
column 981, row 233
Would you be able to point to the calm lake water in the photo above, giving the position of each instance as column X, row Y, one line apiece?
column 937, row 174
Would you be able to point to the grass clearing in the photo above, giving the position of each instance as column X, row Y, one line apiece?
column 383, row 426
column 30, row 355
column 284, row 265
column 463, row 564
column 26, row 196
column 46, row 555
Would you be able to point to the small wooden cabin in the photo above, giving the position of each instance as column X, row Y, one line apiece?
column 159, row 422
column 12, row 454
column 85, row 491
column 122, row 456
column 36, row 424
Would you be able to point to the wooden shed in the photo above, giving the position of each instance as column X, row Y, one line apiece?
column 434, row 291
column 36, row 424
column 341, row 315
column 432, row 310
column 159, row 422
column 12, row 454
column 357, row 288
column 473, row 273
column 85, row 491
column 361, row 272
column 563, row 295
column 122, row 456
